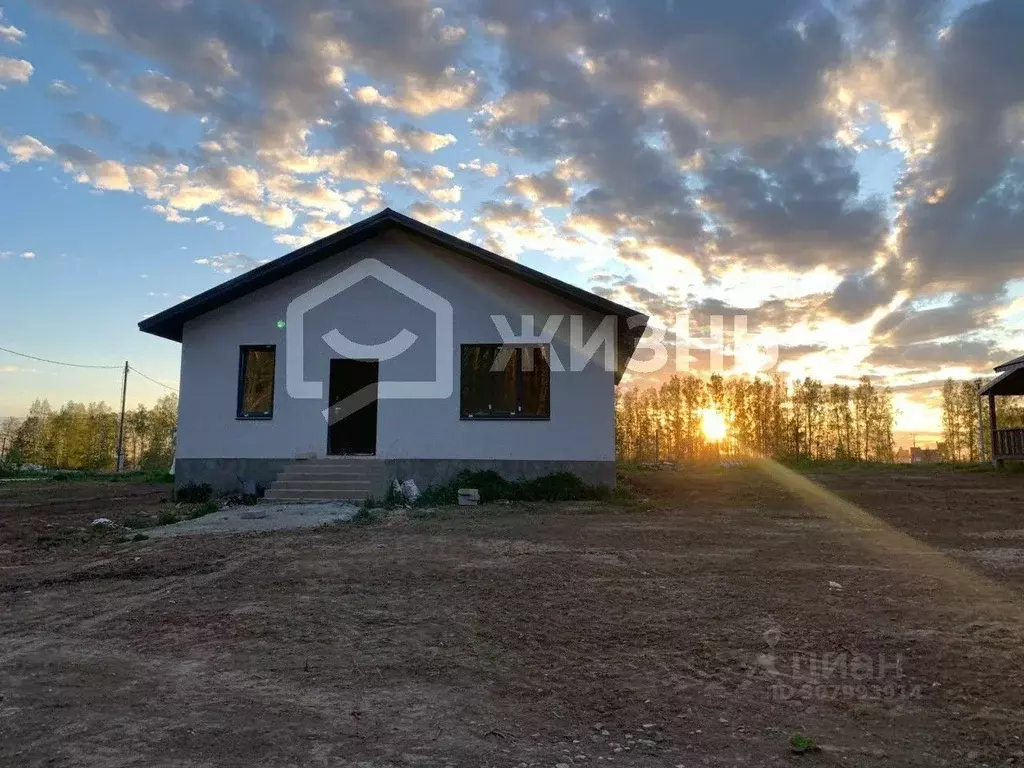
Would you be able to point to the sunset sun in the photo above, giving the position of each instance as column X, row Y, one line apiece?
column 713, row 425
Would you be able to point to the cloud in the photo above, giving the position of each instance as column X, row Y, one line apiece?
column 10, row 33
column 60, row 89
column 425, row 180
column 412, row 138
column 90, row 168
column 229, row 263
column 795, row 205
column 861, row 293
column 93, row 124
column 14, row 70
column 446, row 195
column 102, row 64
column 477, row 166
column 28, row 255
column 27, row 148
column 544, row 189
column 956, row 101
column 164, row 94
column 170, row 214
column 432, row 214
column 314, row 228
column 910, row 324
column 972, row 354
column 420, row 96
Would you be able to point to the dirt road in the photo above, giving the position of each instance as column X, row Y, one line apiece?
column 702, row 626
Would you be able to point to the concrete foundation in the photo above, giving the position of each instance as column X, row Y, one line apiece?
column 428, row 472
column 228, row 475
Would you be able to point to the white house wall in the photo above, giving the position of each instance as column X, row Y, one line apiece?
column 581, row 427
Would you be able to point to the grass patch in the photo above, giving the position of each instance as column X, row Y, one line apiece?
column 800, row 744
column 137, row 523
column 89, row 476
column 561, row 486
column 849, row 466
column 364, row 517
column 391, row 500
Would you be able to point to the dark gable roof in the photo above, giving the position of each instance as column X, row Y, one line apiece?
column 1016, row 362
column 169, row 323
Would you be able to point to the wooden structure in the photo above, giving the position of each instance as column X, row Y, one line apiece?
column 1006, row 443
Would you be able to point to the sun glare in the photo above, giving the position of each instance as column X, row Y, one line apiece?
column 712, row 424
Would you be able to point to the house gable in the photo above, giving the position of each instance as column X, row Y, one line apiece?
column 170, row 323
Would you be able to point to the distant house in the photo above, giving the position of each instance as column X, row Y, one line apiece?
column 381, row 352
column 926, row 455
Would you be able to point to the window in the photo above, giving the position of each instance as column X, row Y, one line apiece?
column 501, row 382
column 256, row 382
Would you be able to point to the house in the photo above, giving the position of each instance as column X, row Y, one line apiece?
column 392, row 350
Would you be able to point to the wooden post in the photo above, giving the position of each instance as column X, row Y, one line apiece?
column 992, row 429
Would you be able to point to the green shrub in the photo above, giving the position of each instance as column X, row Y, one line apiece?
column 140, row 537
column 560, row 486
column 137, row 523
column 167, row 517
column 206, row 508
column 194, row 494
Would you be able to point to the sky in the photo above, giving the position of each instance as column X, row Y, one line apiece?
column 846, row 174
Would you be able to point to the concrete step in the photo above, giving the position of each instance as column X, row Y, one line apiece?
column 285, row 483
column 336, row 461
column 343, row 478
column 276, row 494
column 327, row 473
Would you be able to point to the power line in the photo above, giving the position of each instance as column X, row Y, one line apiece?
column 147, row 378
column 80, row 365
column 59, row 362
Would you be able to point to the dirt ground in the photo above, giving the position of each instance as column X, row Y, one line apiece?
column 703, row 624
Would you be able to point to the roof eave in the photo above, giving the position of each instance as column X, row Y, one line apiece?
column 169, row 324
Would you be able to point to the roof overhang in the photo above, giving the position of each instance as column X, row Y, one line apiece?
column 170, row 323
column 1016, row 362
column 1009, row 382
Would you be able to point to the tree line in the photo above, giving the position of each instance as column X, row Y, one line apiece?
column 80, row 436
column 767, row 416
column 965, row 427
column 764, row 416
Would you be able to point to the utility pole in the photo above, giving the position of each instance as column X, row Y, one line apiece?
column 120, row 430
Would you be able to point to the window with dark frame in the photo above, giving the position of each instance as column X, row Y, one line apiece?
column 256, row 382
column 500, row 382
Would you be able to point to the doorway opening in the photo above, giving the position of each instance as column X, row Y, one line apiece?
column 355, row 432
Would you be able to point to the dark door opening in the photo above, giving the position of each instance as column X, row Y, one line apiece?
column 352, row 423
